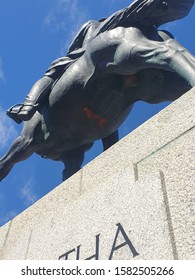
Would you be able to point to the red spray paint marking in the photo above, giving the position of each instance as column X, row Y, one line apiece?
column 94, row 117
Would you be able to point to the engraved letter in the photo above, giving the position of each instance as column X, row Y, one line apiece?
column 96, row 255
column 127, row 242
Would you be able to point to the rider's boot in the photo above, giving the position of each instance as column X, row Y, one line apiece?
column 36, row 96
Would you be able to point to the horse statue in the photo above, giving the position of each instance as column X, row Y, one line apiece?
column 123, row 59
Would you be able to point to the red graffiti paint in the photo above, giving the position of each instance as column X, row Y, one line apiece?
column 94, row 117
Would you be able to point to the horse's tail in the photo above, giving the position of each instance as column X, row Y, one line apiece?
column 147, row 12
column 158, row 12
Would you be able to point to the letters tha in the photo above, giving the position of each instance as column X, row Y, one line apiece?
column 120, row 232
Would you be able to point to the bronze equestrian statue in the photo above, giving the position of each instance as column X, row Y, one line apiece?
column 88, row 94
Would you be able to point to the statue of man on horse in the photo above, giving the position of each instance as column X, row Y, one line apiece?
column 86, row 95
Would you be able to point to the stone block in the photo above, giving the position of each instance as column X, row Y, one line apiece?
column 3, row 235
column 134, row 201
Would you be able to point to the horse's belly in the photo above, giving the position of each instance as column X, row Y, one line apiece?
column 88, row 124
column 82, row 123
column 85, row 109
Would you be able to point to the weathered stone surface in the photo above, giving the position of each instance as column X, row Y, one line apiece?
column 98, row 211
column 135, row 201
column 177, row 164
column 22, row 226
column 3, row 235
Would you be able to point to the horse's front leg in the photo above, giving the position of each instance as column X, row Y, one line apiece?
column 168, row 55
column 20, row 150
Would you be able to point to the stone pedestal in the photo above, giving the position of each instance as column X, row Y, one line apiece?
column 135, row 201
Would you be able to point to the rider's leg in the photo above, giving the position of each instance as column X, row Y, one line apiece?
column 39, row 91
column 36, row 96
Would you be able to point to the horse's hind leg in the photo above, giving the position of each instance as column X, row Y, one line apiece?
column 72, row 161
column 19, row 151
column 110, row 140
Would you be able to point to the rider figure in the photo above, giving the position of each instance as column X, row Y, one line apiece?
column 142, row 12
column 41, row 89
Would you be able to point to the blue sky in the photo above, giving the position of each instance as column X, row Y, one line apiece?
column 33, row 34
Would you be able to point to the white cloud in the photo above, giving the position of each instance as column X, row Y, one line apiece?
column 6, row 217
column 65, row 16
column 2, row 75
column 65, row 13
column 7, row 130
column 27, row 194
